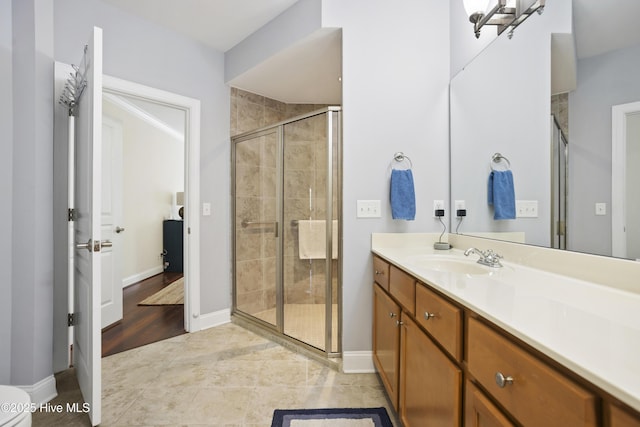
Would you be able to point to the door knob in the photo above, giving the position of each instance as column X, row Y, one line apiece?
column 94, row 245
column 428, row 315
column 503, row 380
column 88, row 246
column 119, row 230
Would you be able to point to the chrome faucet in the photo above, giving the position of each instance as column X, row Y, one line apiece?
column 487, row 257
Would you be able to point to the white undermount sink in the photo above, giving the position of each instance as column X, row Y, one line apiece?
column 449, row 264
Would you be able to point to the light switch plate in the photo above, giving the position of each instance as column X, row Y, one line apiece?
column 206, row 209
column 368, row 209
column 526, row 209
column 601, row 209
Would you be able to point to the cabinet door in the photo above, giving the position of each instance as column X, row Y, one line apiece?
column 430, row 384
column 480, row 412
column 386, row 341
column 620, row 418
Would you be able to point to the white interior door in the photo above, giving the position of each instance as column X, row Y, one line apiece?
column 88, row 230
column 111, row 221
column 624, row 200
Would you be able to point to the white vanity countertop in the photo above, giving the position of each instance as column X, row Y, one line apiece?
column 593, row 330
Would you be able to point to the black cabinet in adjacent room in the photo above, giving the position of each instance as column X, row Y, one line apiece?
column 172, row 241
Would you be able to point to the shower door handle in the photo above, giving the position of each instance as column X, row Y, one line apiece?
column 259, row 224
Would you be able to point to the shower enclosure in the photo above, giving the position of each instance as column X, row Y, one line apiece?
column 286, row 195
column 559, row 171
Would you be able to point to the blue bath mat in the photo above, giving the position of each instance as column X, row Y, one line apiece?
column 335, row 417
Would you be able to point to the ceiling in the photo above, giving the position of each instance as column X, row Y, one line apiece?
column 310, row 71
column 605, row 25
column 220, row 24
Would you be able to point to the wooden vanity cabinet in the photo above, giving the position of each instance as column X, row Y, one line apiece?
column 403, row 288
column 480, row 412
column 386, row 341
column 534, row 393
column 427, row 348
column 381, row 272
column 617, row 417
column 430, row 384
column 442, row 319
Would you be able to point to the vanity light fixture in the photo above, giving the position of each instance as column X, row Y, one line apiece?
column 506, row 14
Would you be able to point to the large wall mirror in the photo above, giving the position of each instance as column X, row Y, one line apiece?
column 572, row 159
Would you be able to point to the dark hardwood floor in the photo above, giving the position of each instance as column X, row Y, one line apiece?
column 143, row 325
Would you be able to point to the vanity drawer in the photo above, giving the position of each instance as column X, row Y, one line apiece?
column 441, row 319
column 534, row 393
column 620, row 418
column 381, row 272
column 403, row 288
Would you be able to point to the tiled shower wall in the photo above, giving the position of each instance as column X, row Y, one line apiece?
column 304, row 192
column 305, row 180
column 560, row 109
column 250, row 111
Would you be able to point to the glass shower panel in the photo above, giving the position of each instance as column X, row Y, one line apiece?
column 305, row 204
column 256, row 227
column 559, row 152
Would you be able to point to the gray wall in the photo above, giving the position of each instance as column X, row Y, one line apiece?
column 32, row 199
column 603, row 81
column 464, row 45
column 6, row 190
column 148, row 54
column 135, row 50
column 395, row 81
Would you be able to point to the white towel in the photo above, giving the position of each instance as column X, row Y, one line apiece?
column 312, row 239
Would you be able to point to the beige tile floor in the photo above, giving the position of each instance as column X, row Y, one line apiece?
column 223, row 376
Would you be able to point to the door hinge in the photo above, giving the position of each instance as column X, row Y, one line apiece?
column 72, row 214
column 72, row 319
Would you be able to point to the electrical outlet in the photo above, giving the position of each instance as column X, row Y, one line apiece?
column 459, row 204
column 437, row 205
column 368, row 209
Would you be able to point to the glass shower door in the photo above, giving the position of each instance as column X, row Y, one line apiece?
column 286, row 230
column 310, row 219
column 256, row 225
column 559, row 161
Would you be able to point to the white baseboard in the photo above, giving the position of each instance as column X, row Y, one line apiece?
column 210, row 320
column 135, row 278
column 358, row 362
column 42, row 391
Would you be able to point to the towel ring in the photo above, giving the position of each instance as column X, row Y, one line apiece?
column 497, row 158
column 401, row 157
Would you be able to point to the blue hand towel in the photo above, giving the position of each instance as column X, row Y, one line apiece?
column 501, row 195
column 403, row 197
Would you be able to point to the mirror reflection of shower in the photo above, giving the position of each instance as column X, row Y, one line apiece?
column 559, row 174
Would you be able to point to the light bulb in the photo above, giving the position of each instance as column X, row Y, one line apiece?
column 475, row 7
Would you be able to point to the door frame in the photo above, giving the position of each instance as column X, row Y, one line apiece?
column 619, row 115
column 191, row 107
